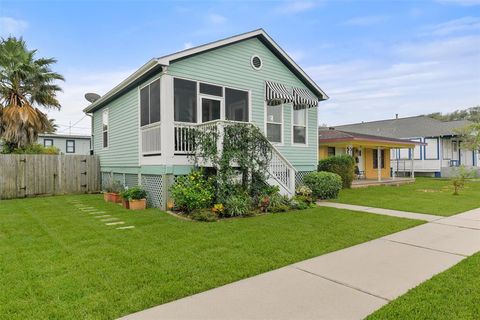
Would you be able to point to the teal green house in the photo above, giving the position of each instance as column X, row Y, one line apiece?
column 140, row 127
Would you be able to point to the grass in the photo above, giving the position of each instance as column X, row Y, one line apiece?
column 58, row 262
column 426, row 195
column 453, row 294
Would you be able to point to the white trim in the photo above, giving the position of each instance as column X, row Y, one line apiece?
column 296, row 144
column 107, row 111
column 251, row 61
column 165, row 61
column 282, row 128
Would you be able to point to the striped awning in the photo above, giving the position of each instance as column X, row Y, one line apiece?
column 277, row 93
column 303, row 98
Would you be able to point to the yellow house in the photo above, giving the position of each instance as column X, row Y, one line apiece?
column 371, row 153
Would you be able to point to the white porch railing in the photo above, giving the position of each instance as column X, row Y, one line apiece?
column 151, row 139
column 280, row 169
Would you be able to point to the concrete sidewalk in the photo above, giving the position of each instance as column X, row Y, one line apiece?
column 346, row 284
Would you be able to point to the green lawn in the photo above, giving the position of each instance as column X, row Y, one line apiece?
column 453, row 294
column 57, row 262
column 426, row 195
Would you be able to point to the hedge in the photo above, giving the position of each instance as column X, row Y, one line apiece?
column 343, row 165
column 324, row 185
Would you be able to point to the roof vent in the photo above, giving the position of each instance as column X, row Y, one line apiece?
column 256, row 62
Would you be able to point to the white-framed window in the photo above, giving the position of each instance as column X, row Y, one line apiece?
column 274, row 123
column 105, row 128
column 431, row 149
column 48, row 142
column 150, row 103
column 70, row 146
column 299, row 125
column 447, row 149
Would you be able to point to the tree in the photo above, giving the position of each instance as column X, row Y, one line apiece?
column 470, row 135
column 25, row 84
column 472, row 114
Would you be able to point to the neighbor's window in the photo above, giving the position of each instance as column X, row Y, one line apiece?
column 300, row 124
column 375, row 159
column 331, row 151
column 185, row 100
column 150, row 103
column 274, row 123
column 236, row 105
column 105, row 128
column 70, row 147
column 47, row 142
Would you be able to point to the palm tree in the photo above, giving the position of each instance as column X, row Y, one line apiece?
column 25, row 84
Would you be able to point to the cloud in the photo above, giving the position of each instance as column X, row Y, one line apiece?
column 453, row 26
column 187, row 45
column 422, row 79
column 296, row 55
column 12, row 26
column 364, row 21
column 216, row 19
column 292, row 7
column 465, row 3
column 72, row 98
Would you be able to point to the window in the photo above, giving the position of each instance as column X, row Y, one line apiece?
column 299, row 124
column 47, row 142
column 274, row 123
column 185, row 100
column 150, row 103
column 210, row 109
column 70, row 146
column 236, row 105
column 331, row 151
column 431, row 149
column 105, row 128
column 211, row 90
column 375, row 159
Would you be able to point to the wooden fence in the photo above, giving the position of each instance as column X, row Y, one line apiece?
column 30, row 175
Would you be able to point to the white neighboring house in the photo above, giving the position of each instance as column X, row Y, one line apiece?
column 67, row 144
column 441, row 154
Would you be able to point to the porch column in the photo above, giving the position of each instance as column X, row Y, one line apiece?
column 393, row 165
column 379, row 164
column 412, row 163
column 166, row 111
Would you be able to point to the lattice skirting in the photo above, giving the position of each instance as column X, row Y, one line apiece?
column 299, row 177
column 153, row 184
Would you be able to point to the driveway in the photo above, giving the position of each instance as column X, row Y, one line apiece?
column 346, row 284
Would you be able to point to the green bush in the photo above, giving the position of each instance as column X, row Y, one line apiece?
column 134, row 193
column 204, row 215
column 278, row 203
column 238, row 204
column 193, row 191
column 324, row 185
column 343, row 165
column 31, row 149
column 114, row 186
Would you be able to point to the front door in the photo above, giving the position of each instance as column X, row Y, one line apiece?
column 211, row 109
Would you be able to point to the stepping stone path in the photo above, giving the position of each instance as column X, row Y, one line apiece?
column 106, row 218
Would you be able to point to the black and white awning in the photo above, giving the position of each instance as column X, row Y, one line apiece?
column 277, row 93
column 303, row 98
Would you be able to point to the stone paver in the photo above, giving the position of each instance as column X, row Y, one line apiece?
column 386, row 212
column 346, row 284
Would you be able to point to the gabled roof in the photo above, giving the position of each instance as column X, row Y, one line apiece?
column 411, row 127
column 63, row 136
column 155, row 64
column 331, row 135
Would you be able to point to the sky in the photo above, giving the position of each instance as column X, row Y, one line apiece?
column 374, row 59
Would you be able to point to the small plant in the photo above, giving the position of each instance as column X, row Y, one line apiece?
column 238, row 204
column 193, row 191
column 278, row 203
column 458, row 180
column 304, row 193
column 134, row 193
column 34, row 148
column 324, row 185
column 218, row 209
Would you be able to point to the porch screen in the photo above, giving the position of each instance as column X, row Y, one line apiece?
column 185, row 100
column 375, row 159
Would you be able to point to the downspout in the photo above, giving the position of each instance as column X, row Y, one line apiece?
column 91, row 132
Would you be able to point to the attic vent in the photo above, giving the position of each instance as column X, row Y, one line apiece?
column 256, row 62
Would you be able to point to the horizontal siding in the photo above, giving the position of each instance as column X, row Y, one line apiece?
column 230, row 66
column 123, row 131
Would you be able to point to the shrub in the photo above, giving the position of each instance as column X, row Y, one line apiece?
column 32, row 149
column 324, row 185
column 193, row 191
column 203, row 215
column 113, row 186
column 299, row 203
column 343, row 165
column 134, row 193
column 304, row 194
column 238, row 204
column 278, row 203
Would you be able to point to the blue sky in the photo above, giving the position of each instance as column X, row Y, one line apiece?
column 373, row 58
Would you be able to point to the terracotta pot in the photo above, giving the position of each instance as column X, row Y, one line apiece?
column 137, row 204
column 112, row 197
column 106, row 197
column 125, row 204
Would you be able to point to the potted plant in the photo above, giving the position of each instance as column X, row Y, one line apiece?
column 125, row 195
column 112, row 191
column 135, row 198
